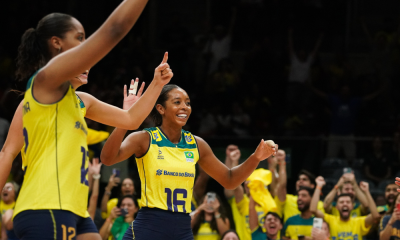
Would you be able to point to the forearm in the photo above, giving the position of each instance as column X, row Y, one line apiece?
column 237, row 175
column 314, row 200
column 105, row 229
column 93, row 199
column 372, row 206
column 111, row 148
column 281, row 191
column 386, row 233
column 253, row 218
column 360, row 196
column 329, row 198
column 105, row 199
column 200, row 185
column 6, row 161
column 195, row 217
column 222, row 225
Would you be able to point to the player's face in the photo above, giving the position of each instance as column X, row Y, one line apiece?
column 8, row 193
column 72, row 39
column 129, row 204
column 177, row 108
column 303, row 181
column 303, row 200
column 127, row 187
column 390, row 193
column 272, row 224
column 231, row 236
column 344, row 205
column 349, row 189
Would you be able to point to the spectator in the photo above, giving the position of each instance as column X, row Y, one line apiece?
column 128, row 207
column 300, row 224
column 7, row 202
column 299, row 74
column 321, row 234
column 209, row 220
column 377, row 165
column 94, row 182
column 127, row 188
column 390, row 196
column 218, row 47
column 344, row 108
column 272, row 224
column 287, row 203
column 230, row 235
column 347, row 184
column 390, row 223
column 345, row 226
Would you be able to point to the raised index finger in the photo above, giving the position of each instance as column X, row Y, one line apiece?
column 165, row 59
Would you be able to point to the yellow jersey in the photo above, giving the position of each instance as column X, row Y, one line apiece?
column 54, row 155
column 206, row 233
column 353, row 229
column 289, row 208
column 356, row 212
column 296, row 226
column 167, row 172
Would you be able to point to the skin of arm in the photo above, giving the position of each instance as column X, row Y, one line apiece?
column 282, row 180
column 232, row 160
column 128, row 119
column 374, row 215
column 314, row 201
column 272, row 162
column 387, row 232
column 359, row 194
column 94, row 168
column 232, row 178
column 253, row 217
column 77, row 60
column 200, row 185
column 112, row 182
column 223, row 224
column 12, row 145
column 3, row 231
column 332, row 194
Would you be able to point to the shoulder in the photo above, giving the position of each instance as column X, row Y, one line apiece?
column 294, row 220
column 86, row 98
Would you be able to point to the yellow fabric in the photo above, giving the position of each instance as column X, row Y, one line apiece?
column 296, row 226
column 259, row 180
column 356, row 212
column 291, row 209
column 354, row 228
column 4, row 207
column 54, row 155
column 167, row 172
column 94, row 136
column 206, row 233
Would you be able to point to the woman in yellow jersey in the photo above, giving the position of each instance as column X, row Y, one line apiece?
column 166, row 156
column 54, row 144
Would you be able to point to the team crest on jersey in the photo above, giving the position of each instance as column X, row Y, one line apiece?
column 159, row 172
column 160, row 156
column 189, row 138
column 156, row 135
column 189, row 156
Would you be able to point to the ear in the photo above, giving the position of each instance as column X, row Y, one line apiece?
column 160, row 109
column 312, row 185
column 55, row 43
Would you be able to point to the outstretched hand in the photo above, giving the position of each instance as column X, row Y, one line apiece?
column 163, row 72
column 95, row 166
column 265, row 149
column 131, row 97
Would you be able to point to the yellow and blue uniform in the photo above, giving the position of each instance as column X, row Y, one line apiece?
column 354, row 228
column 289, row 208
column 167, row 173
column 296, row 226
column 55, row 161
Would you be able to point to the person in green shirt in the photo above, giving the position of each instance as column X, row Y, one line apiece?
column 129, row 208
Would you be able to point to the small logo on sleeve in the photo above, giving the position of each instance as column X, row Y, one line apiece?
column 189, row 138
column 189, row 157
column 156, row 136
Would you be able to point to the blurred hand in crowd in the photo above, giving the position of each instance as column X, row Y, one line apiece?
column 233, row 152
column 115, row 212
column 281, row 155
column 318, row 234
column 94, row 166
column 320, row 181
column 364, row 186
column 113, row 182
column 395, row 216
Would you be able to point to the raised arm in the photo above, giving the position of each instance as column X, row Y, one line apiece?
column 315, row 199
column 253, row 217
column 332, row 194
column 387, row 226
column 133, row 117
column 94, row 170
column 232, row 156
column 231, row 178
column 282, row 179
column 12, row 145
column 374, row 215
column 359, row 194
column 112, row 182
column 77, row 60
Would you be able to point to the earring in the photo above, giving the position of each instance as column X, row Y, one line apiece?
column 59, row 49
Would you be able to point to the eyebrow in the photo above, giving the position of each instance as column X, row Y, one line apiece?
column 180, row 98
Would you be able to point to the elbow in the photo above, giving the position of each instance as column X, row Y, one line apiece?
column 229, row 186
column 105, row 160
column 313, row 211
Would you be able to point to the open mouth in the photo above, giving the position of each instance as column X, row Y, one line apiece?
column 182, row 116
column 345, row 211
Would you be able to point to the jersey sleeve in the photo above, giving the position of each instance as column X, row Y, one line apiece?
column 243, row 206
column 321, row 206
column 361, row 225
column 258, row 234
column 279, row 206
column 384, row 222
column 329, row 218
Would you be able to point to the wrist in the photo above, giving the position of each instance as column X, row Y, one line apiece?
column 96, row 176
column 217, row 215
column 318, row 187
column 107, row 191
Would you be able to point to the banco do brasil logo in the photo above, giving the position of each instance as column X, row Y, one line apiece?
column 159, row 172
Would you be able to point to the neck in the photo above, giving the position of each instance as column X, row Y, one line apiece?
column 173, row 133
column 270, row 236
column 344, row 220
column 306, row 214
column 129, row 219
column 208, row 216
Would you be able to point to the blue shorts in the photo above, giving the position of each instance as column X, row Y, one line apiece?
column 51, row 224
column 154, row 223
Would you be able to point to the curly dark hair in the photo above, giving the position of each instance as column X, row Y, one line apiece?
column 34, row 52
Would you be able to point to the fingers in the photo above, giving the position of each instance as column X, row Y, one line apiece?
column 133, row 86
column 165, row 59
column 124, row 91
column 141, row 90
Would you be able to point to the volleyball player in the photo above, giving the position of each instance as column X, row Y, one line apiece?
column 166, row 156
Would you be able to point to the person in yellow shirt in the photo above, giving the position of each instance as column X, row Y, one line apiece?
column 347, row 184
column 7, row 202
column 287, row 203
column 272, row 224
column 344, row 226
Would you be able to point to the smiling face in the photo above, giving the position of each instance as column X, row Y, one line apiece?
column 129, row 204
column 272, row 224
column 8, row 193
column 177, row 108
column 127, row 187
column 303, row 200
column 344, row 205
column 391, row 193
